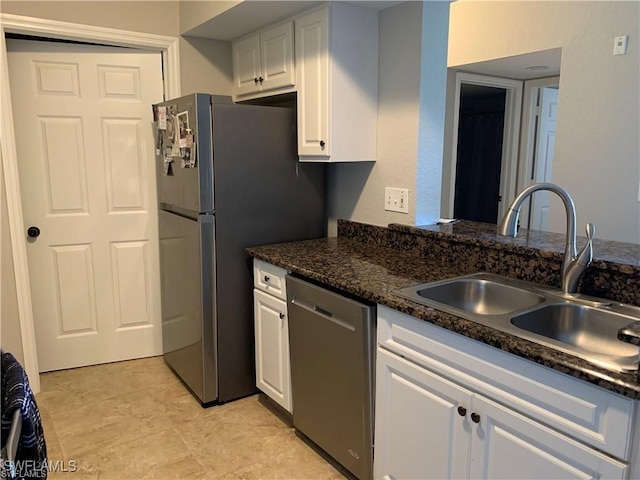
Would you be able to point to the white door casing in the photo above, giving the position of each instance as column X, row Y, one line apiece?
column 85, row 143
column 167, row 46
column 513, row 107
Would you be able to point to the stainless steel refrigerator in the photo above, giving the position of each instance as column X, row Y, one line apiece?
column 228, row 178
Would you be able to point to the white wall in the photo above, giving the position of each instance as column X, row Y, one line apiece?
column 194, row 13
column 597, row 137
column 205, row 64
column 356, row 191
column 433, row 90
column 157, row 17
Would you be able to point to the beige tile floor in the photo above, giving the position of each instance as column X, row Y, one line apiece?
column 135, row 420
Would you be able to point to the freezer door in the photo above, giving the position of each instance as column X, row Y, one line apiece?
column 188, row 299
column 189, row 189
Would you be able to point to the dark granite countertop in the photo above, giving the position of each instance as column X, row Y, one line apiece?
column 364, row 265
column 619, row 256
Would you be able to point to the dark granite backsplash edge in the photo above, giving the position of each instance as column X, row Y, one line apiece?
column 608, row 254
column 476, row 247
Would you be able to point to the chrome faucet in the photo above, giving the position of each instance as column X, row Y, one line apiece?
column 574, row 263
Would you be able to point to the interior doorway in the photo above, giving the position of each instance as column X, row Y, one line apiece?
column 168, row 46
column 483, row 166
column 479, row 153
column 87, row 176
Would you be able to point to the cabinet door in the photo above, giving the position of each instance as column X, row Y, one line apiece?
column 273, row 375
column 276, row 54
column 419, row 432
column 508, row 445
column 246, row 65
column 312, row 55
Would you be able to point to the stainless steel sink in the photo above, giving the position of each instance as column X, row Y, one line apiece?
column 483, row 296
column 585, row 327
column 582, row 330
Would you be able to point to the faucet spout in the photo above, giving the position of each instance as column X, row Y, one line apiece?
column 579, row 263
column 570, row 271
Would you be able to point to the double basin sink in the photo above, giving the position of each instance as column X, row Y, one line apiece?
column 585, row 327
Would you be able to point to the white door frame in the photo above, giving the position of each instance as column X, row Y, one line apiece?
column 527, row 144
column 168, row 46
column 513, row 107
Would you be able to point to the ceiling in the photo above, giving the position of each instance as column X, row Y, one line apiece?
column 250, row 16
column 516, row 67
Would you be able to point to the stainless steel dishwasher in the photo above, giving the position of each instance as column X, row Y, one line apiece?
column 332, row 345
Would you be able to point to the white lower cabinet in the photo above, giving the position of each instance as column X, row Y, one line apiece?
column 273, row 372
column 419, row 433
column 430, row 426
column 506, row 444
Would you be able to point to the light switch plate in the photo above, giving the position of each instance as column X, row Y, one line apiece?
column 396, row 199
column 620, row 45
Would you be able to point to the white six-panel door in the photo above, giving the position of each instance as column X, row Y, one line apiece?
column 84, row 137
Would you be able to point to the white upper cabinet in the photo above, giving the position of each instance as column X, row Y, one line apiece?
column 329, row 57
column 337, row 82
column 263, row 62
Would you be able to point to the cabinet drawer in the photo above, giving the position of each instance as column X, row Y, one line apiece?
column 270, row 279
column 595, row 416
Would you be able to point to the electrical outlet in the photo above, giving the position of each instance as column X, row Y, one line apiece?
column 620, row 45
column 396, row 199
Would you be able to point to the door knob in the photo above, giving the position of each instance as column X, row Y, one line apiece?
column 462, row 411
column 33, row 232
column 475, row 418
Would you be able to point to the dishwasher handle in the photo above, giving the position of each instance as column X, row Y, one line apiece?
column 318, row 310
column 322, row 311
